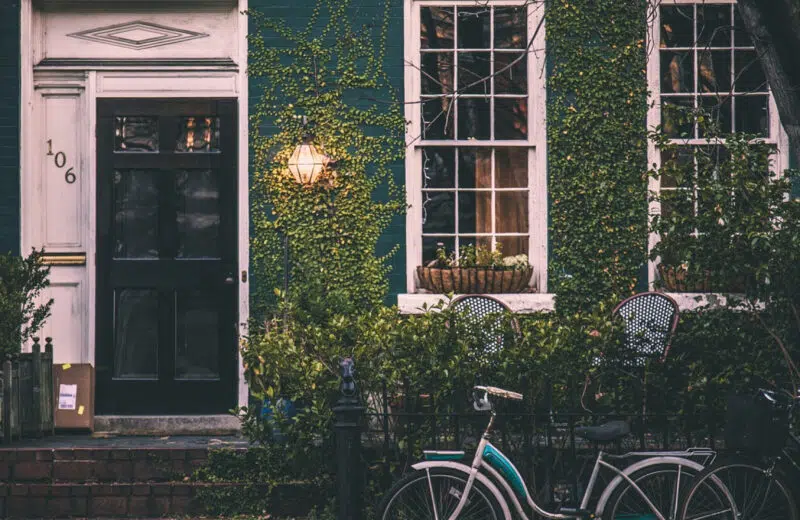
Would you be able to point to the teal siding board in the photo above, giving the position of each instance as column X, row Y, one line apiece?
column 296, row 13
column 9, row 126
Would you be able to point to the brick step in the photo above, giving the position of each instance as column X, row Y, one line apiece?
column 60, row 500
column 86, row 465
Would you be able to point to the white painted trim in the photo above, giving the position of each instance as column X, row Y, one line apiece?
column 26, row 115
column 523, row 303
column 527, row 303
column 244, row 197
column 536, row 142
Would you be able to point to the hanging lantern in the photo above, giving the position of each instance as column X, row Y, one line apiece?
column 307, row 163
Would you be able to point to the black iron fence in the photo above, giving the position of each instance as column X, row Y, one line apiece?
column 381, row 435
column 26, row 394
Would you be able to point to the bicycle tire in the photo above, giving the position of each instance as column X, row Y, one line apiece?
column 663, row 484
column 757, row 493
column 411, row 496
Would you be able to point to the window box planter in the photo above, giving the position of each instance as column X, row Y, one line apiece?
column 474, row 280
column 678, row 279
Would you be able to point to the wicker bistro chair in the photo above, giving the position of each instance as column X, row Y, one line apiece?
column 476, row 308
column 651, row 319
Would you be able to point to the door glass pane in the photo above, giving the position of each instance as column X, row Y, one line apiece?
column 197, row 349
column 197, row 213
column 135, row 213
column 198, row 134
column 135, row 134
column 136, row 334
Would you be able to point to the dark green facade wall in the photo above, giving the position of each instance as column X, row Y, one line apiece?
column 9, row 126
column 296, row 13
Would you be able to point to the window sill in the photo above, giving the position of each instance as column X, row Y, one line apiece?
column 522, row 303
column 527, row 303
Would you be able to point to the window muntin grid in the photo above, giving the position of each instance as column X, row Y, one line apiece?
column 474, row 114
column 707, row 61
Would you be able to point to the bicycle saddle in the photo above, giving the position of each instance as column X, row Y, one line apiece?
column 606, row 432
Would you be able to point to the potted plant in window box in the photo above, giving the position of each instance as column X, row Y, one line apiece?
column 476, row 270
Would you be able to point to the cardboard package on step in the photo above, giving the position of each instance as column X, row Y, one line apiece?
column 74, row 396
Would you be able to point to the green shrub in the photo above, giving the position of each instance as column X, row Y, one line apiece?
column 22, row 312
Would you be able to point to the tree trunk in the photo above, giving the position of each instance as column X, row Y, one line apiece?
column 774, row 26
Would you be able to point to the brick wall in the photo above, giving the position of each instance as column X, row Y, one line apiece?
column 9, row 126
column 297, row 12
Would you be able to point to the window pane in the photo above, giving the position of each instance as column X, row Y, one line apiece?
column 676, row 116
column 752, row 115
column 510, row 28
column 473, row 118
column 473, row 28
column 135, row 214
column 511, row 209
column 437, row 73
column 512, row 246
column 511, row 76
column 474, row 212
column 474, row 73
column 673, row 166
column 511, row 118
column 197, row 349
column 135, row 134
column 136, row 334
column 719, row 110
column 677, row 202
column 749, row 74
column 475, row 168
column 197, row 213
column 431, row 244
column 714, row 71
column 437, row 119
column 436, row 27
column 438, row 167
column 676, row 26
column 677, row 72
column 198, row 134
column 438, row 212
column 511, row 167
column 740, row 35
column 714, row 24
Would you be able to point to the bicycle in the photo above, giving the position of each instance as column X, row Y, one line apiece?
column 444, row 488
column 761, row 474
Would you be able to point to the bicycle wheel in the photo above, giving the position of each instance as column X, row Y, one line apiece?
column 417, row 495
column 757, row 493
column 663, row 485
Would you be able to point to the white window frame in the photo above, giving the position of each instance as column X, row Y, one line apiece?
column 536, row 142
column 777, row 134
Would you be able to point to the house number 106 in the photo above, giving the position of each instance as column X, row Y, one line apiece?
column 60, row 160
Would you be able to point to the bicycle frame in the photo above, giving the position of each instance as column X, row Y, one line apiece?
column 490, row 460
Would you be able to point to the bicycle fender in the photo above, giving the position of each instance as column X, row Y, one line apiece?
column 483, row 479
column 652, row 461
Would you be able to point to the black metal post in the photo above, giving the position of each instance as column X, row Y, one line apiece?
column 347, row 427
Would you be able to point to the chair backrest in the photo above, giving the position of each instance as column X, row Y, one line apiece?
column 476, row 308
column 650, row 322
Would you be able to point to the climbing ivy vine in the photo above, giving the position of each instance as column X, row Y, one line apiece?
column 328, row 72
column 597, row 148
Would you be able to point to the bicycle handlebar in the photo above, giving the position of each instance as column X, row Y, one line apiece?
column 499, row 392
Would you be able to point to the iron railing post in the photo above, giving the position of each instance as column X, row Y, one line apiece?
column 348, row 413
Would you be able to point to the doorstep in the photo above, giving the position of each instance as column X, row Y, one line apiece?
column 163, row 425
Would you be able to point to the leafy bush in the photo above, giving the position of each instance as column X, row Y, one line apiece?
column 22, row 314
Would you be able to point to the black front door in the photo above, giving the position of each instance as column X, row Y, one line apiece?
column 166, row 256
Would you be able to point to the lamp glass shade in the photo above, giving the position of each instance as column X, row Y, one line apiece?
column 306, row 163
